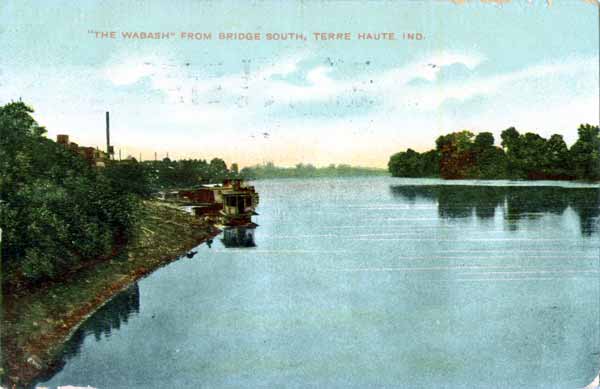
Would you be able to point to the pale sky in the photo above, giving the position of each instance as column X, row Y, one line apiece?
column 481, row 67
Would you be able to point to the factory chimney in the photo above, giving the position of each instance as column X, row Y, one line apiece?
column 108, row 148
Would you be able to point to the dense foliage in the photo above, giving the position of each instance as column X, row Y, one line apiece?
column 59, row 211
column 269, row 170
column 522, row 156
column 168, row 173
column 187, row 173
column 56, row 210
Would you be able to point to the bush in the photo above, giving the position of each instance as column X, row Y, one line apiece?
column 56, row 210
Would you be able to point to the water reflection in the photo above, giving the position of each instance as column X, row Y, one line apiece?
column 517, row 202
column 238, row 237
column 347, row 272
column 110, row 317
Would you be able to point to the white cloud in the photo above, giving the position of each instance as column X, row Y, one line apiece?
column 434, row 96
column 130, row 70
column 262, row 85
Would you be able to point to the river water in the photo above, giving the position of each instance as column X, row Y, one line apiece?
column 367, row 282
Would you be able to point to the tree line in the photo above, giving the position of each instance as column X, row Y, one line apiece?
column 168, row 174
column 464, row 155
column 186, row 173
column 269, row 170
column 58, row 211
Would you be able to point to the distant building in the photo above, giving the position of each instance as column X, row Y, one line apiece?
column 62, row 140
column 93, row 155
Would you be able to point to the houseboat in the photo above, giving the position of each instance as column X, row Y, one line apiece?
column 231, row 203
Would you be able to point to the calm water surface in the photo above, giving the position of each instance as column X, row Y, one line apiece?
column 367, row 282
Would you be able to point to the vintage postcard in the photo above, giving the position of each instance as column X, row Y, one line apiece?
column 299, row 194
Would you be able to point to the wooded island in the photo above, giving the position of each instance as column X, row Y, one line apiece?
column 464, row 155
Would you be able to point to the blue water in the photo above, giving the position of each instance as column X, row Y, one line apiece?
column 367, row 282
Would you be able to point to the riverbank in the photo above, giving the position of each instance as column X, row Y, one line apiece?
column 36, row 324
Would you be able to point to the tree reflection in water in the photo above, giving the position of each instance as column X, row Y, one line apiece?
column 518, row 202
column 103, row 322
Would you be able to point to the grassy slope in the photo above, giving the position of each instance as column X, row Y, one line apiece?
column 36, row 323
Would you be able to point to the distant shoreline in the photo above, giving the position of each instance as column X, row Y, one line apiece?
column 513, row 182
column 270, row 171
column 462, row 181
column 317, row 177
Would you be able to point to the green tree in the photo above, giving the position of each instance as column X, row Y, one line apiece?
column 457, row 156
column 406, row 164
column 522, row 156
column 430, row 163
column 483, row 141
column 56, row 210
column 585, row 153
column 557, row 157
column 130, row 176
column 490, row 160
column 533, row 155
column 511, row 142
column 218, row 169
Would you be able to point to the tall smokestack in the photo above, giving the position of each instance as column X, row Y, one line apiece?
column 107, row 134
